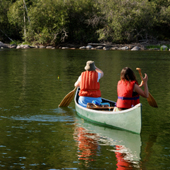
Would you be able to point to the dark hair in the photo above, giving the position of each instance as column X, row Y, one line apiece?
column 127, row 74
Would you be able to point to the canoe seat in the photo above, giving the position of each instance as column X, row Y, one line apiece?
column 102, row 107
column 105, row 104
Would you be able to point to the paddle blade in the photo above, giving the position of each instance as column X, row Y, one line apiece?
column 152, row 101
column 67, row 99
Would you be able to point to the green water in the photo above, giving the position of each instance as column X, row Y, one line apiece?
column 36, row 134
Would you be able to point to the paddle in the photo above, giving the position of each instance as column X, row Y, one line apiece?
column 150, row 99
column 68, row 98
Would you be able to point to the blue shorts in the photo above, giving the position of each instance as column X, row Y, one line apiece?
column 84, row 100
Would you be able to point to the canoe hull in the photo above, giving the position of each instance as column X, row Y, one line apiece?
column 129, row 119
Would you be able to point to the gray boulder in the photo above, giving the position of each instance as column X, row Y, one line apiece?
column 125, row 48
column 136, row 48
column 2, row 45
column 89, row 47
column 83, row 47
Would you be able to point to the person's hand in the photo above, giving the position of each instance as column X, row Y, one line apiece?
column 145, row 79
column 141, row 84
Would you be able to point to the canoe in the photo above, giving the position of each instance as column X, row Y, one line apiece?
column 129, row 119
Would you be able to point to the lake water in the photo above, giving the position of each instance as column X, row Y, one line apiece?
column 36, row 134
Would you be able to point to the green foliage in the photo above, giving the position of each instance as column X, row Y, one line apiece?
column 164, row 48
column 127, row 20
column 84, row 19
column 47, row 22
column 56, row 21
column 16, row 42
column 15, row 13
column 153, row 46
column 5, row 27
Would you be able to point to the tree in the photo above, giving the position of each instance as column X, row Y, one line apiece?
column 84, row 18
column 17, row 16
column 4, row 24
column 48, row 19
column 126, row 21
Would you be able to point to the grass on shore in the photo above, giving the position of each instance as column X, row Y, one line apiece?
column 158, row 47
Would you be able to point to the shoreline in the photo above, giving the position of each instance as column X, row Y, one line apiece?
column 159, row 46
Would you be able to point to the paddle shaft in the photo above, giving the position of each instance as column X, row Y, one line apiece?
column 139, row 70
column 150, row 99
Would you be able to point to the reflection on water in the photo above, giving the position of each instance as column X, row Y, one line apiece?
column 87, row 144
column 90, row 137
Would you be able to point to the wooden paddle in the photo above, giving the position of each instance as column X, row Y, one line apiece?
column 68, row 98
column 150, row 99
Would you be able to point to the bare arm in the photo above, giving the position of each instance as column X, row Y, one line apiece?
column 137, row 88
column 100, row 71
column 77, row 83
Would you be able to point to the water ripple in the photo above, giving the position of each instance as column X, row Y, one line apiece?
column 45, row 118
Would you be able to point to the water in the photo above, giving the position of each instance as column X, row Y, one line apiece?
column 36, row 134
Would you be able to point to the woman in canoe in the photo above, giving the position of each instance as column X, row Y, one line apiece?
column 89, row 85
column 128, row 90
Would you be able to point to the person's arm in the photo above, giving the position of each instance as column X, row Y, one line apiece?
column 99, row 71
column 77, row 83
column 137, row 88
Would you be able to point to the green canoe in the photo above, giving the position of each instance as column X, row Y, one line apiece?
column 129, row 119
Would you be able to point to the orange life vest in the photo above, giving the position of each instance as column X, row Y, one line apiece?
column 87, row 143
column 122, row 163
column 126, row 97
column 89, row 86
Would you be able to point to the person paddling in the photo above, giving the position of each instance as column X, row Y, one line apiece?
column 89, row 84
column 128, row 90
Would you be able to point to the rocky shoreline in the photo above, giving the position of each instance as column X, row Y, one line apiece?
column 95, row 46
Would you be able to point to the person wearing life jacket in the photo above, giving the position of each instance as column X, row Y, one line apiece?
column 128, row 90
column 89, row 85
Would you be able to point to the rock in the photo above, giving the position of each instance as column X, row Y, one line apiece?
column 106, row 48
column 25, row 46
column 50, row 47
column 136, row 48
column 89, row 47
column 83, row 47
column 13, row 46
column 22, row 46
column 125, row 48
column 99, row 47
column 3, row 45
column 41, row 46
column 130, row 46
column 18, row 47
column 164, row 48
column 143, row 48
column 31, row 46
column 114, row 48
column 64, row 48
